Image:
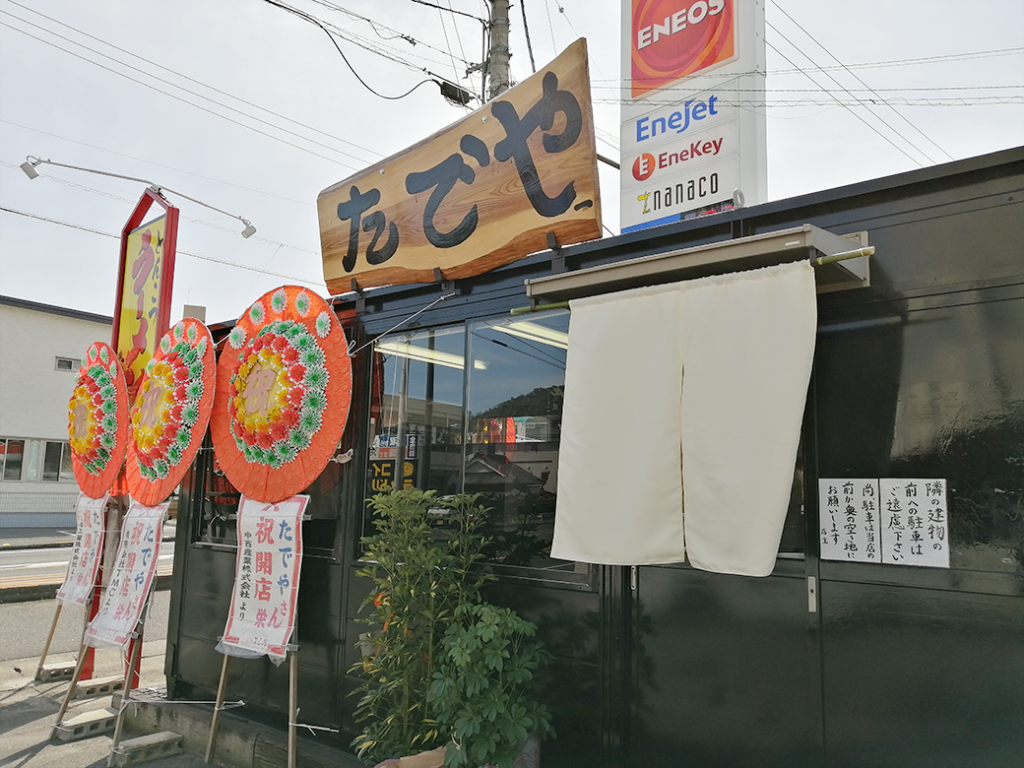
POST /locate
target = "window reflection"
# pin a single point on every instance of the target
(417, 403)
(515, 391)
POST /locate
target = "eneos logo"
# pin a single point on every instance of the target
(672, 39)
(644, 166)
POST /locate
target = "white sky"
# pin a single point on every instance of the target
(252, 110)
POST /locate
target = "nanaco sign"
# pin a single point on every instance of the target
(481, 193)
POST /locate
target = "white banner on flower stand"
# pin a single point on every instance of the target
(80, 579)
(116, 623)
(266, 591)
(131, 578)
(85, 555)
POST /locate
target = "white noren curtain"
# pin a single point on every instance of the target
(685, 396)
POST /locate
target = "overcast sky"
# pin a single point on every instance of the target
(252, 110)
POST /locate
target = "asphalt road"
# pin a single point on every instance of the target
(24, 627)
(31, 567)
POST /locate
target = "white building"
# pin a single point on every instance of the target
(41, 347)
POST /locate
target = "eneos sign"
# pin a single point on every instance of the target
(672, 39)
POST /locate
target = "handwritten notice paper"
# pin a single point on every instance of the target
(915, 522)
(266, 589)
(131, 578)
(848, 520)
(85, 555)
(891, 521)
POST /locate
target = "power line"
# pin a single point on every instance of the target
(843, 87)
(179, 252)
(374, 25)
(450, 10)
(152, 162)
(526, 30)
(314, 20)
(186, 77)
(191, 103)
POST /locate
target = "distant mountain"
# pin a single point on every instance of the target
(543, 401)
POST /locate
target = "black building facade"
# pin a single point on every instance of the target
(822, 663)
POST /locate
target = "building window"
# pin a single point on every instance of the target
(66, 364)
(12, 454)
(478, 409)
(57, 462)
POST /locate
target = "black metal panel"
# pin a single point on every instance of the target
(919, 375)
(721, 671)
(568, 623)
(920, 678)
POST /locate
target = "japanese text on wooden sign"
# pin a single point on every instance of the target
(266, 589)
(481, 193)
(131, 579)
(85, 555)
(892, 521)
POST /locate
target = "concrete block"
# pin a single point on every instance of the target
(50, 672)
(86, 725)
(99, 686)
(149, 747)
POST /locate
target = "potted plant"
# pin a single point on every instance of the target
(437, 656)
(481, 687)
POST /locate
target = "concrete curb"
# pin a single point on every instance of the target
(240, 742)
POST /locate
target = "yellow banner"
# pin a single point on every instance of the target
(140, 301)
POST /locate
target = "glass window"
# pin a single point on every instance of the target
(67, 469)
(417, 400)
(30, 467)
(11, 455)
(515, 390)
(65, 364)
(490, 426)
(52, 460)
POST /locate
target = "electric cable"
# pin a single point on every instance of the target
(836, 59)
(878, 117)
(193, 104)
(526, 30)
(314, 20)
(179, 252)
(186, 77)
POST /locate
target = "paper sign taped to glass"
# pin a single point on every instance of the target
(131, 578)
(85, 555)
(266, 590)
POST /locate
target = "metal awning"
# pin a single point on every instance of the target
(841, 261)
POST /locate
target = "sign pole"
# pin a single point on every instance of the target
(71, 690)
(49, 639)
(215, 725)
(293, 701)
(126, 689)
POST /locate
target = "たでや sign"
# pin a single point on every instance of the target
(483, 192)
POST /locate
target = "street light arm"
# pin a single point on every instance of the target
(31, 163)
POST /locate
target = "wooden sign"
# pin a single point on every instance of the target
(478, 194)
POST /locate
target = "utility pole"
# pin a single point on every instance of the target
(497, 57)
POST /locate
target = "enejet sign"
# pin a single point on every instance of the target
(483, 192)
(693, 133)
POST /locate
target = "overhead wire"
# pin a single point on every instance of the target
(526, 31)
(179, 252)
(842, 87)
(192, 103)
(374, 24)
(859, 80)
(189, 79)
(315, 21)
(150, 161)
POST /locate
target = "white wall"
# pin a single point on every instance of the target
(34, 405)
(33, 394)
